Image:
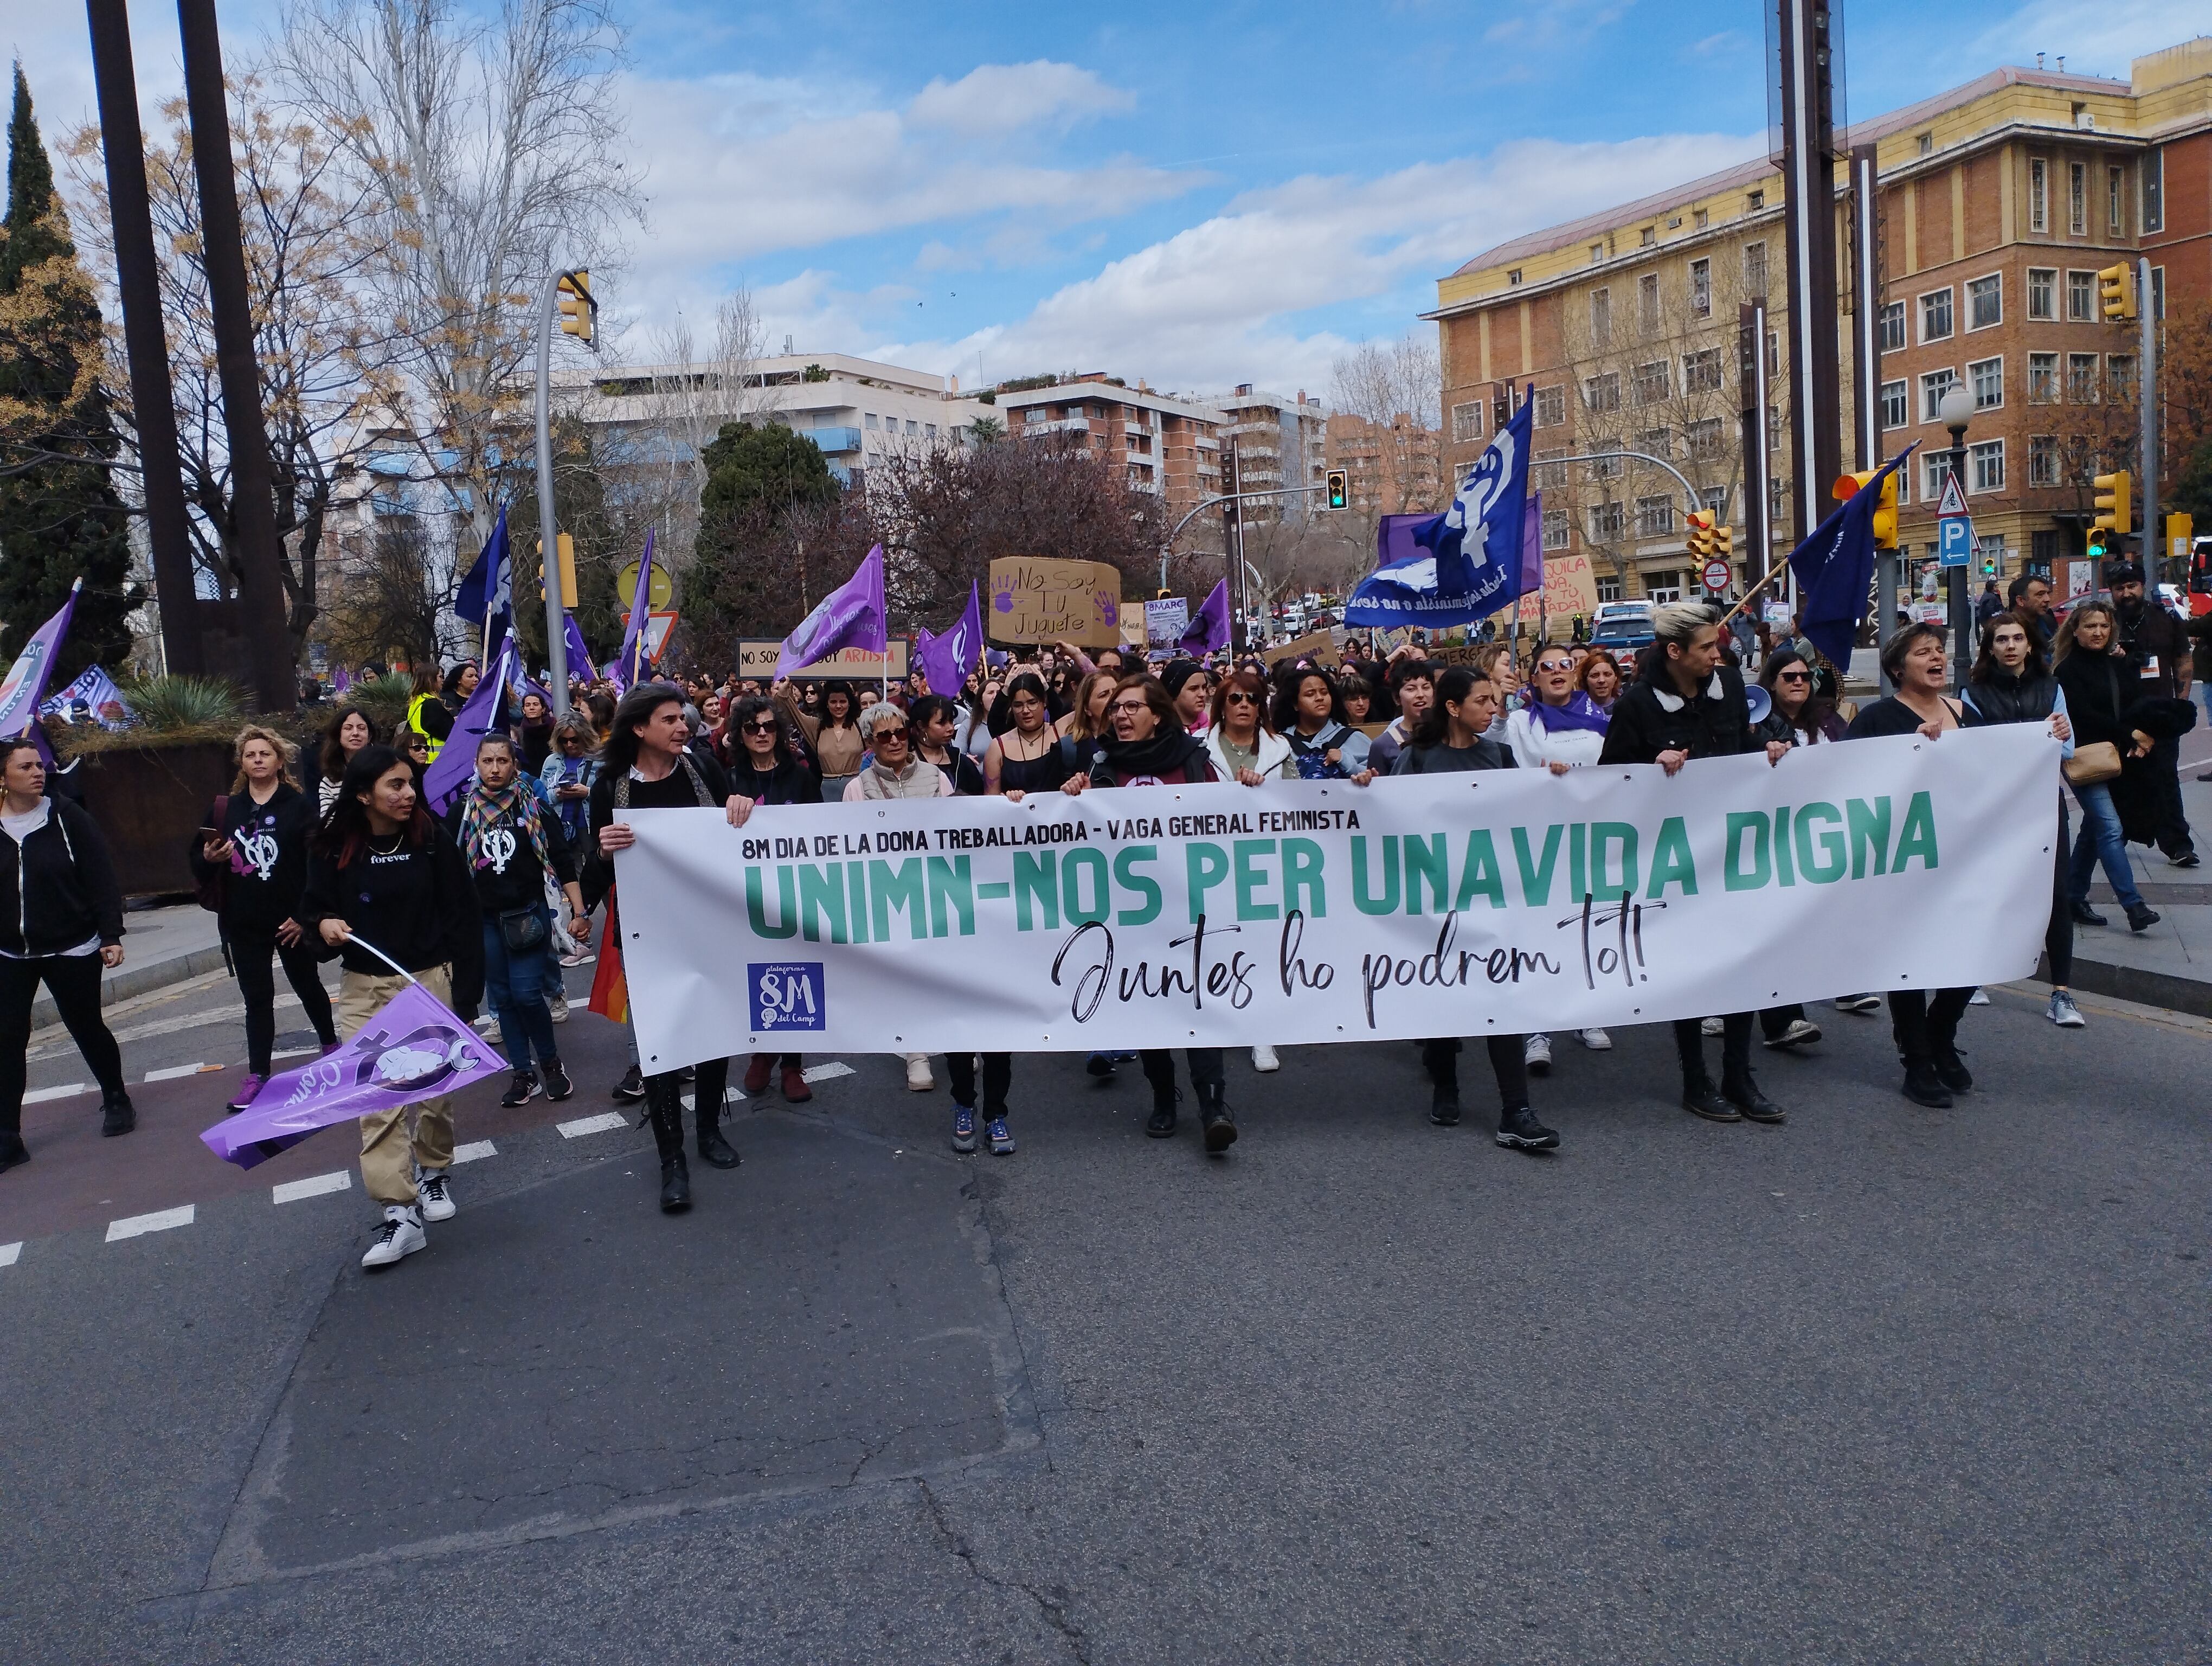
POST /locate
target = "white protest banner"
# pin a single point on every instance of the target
(1494, 903)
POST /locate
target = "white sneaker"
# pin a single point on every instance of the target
(1264, 1060)
(917, 1073)
(400, 1236)
(559, 1004)
(1980, 998)
(1536, 1053)
(2064, 1013)
(433, 1194)
(1798, 1032)
(1596, 1040)
(1713, 1027)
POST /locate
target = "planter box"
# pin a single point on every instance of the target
(148, 801)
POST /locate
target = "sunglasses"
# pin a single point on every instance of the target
(888, 734)
(1239, 697)
(766, 725)
(1793, 676)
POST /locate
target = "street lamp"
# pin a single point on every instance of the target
(1954, 412)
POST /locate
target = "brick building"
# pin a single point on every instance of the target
(1393, 467)
(1998, 202)
(1279, 441)
(1170, 446)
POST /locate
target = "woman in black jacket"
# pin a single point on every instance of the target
(254, 842)
(382, 868)
(61, 922)
(2094, 670)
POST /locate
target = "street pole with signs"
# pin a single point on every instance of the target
(1956, 532)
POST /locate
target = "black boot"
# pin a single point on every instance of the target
(117, 1115)
(12, 1151)
(1161, 1125)
(1214, 1117)
(1699, 1098)
(1751, 1103)
(1443, 1104)
(712, 1145)
(1924, 1086)
(666, 1116)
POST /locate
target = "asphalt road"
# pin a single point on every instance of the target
(1881, 1385)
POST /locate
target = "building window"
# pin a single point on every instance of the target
(1551, 406)
(2042, 293)
(2158, 292)
(1755, 266)
(1513, 276)
(1608, 590)
(1933, 387)
(2120, 378)
(1986, 378)
(1656, 442)
(2038, 194)
(1600, 317)
(1773, 429)
(1773, 353)
(1755, 202)
(1597, 253)
(1985, 466)
(1701, 371)
(929, 432)
(912, 427)
(2043, 551)
(1467, 421)
(2077, 198)
(1647, 237)
(1647, 303)
(1924, 144)
(2116, 219)
(2153, 191)
(1936, 316)
(1985, 302)
(1934, 470)
(1555, 529)
(1893, 327)
(2043, 460)
(2081, 379)
(1701, 289)
(1655, 516)
(2081, 297)
(1708, 440)
(1603, 393)
(1715, 498)
(1034, 414)
(2042, 379)
(1700, 220)
(1895, 407)
(1650, 383)
(1605, 523)
(870, 419)
(1664, 587)
(1606, 462)
(1545, 474)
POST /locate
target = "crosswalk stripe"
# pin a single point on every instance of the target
(177, 1070)
(827, 1072)
(10, 1254)
(161, 1220)
(292, 1191)
(476, 1151)
(605, 1122)
(67, 1090)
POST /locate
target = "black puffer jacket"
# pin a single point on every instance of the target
(58, 887)
(1710, 725)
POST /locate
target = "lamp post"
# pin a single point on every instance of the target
(1954, 412)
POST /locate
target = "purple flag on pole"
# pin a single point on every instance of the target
(947, 660)
(580, 656)
(449, 772)
(633, 647)
(25, 682)
(1208, 629)
(340, 681)
(415, 1048)
(851, 616)
(1393, 538)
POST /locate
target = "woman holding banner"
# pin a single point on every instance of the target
(1453, 736)
(1027, 756)
(382, 869)
(1242, 744)
(1151, 746)
(1311, 714)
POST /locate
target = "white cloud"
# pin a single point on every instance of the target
(2097, 36)
(1004, 98)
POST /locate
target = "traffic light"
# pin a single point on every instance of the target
(2117, 286)
(1340, 488)
(1885, 511)
(2115, 510)
(578, 310)
(1701, 532)
(567, 546)
(1723, 542)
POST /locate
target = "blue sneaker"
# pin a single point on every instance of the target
(1002, 1143)
(963, 1128)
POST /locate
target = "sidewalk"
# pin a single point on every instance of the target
(160, 946)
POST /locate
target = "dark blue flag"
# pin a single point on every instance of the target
(1468, 562)
(484, 598)
(1834, 569)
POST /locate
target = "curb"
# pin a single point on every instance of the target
(130, 981)
(2145, 988)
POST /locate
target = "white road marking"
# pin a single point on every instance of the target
(10, 1253)
(67, 1090)
(479, 1150)
(605, 1122)
(292, 1191)
(691, 1101)
(309, 1052)
(177, 1070)
(161, 1220)
(826, 1072)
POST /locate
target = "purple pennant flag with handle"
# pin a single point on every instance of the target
(1208, 629)
(415, 1047)
(640, 604)
(851, 616)
(449, 772)
(947, 660)
(579, 657)
(25, 682)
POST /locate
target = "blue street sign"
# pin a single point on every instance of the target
(1954, 541)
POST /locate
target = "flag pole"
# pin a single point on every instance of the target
(357, 940)
(1754, 590)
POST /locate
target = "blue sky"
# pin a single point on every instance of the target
(1201, 195)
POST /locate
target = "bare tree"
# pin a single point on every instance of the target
(494, 148)
(695, 390)
(393, 591)
(1387, 400)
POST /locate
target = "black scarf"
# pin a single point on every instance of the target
(1169, 750)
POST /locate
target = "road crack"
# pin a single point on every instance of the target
(1052, 1610)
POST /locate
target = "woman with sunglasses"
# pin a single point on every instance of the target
(1239, 740)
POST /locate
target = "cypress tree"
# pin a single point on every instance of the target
(60, 515)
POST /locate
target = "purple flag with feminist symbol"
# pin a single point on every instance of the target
(1208, 629)
(947, 660)
(851, 616)
(25, 682)
(449, 772)
(417, 1047)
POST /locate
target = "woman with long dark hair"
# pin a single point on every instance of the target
(1027, 756)
(2087, 659)
(1310, 714)
(380, 868)
(536, 732)
(349, 731)
(1239, 738)
(834, 735)
(253, 842)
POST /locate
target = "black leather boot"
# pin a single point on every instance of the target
(1161, 1124)
(117, 1114)
(713, 1146)
(665, 1113)
(1214, 1117)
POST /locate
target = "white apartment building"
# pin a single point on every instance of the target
(1280, 440)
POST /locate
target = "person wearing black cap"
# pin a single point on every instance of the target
(1191, 688)
(2157, 647)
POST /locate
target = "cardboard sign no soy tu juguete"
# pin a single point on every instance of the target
(1036, 598)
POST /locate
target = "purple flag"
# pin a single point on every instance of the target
(26, 682)
(633, 648)
(1208, 629)
(340, 681)
(947, 660)
(1393, 538)
(580, 656)
(1532, 545)
(851, 616)
(449, 772)
(413, 1049)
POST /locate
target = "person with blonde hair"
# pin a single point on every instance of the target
(250, 856)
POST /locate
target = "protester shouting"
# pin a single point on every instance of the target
(1414, 684)
(1151, 746)
(381, 869)
(1452, 736)
(518, 854)
(1686, 704)
(649, 768)
(253, 844)
(61, 923)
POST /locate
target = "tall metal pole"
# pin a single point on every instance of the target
(1809, 190)
(1751, 377)
(1866, 367)
(1961, 614)
(549, 531)
(145, 341)
(252, 484)
(2154, 535)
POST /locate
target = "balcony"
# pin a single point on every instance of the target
(830, 441)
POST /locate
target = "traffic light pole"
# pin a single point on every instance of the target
(2147, 396)
(548, 545)
(1167, 548)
